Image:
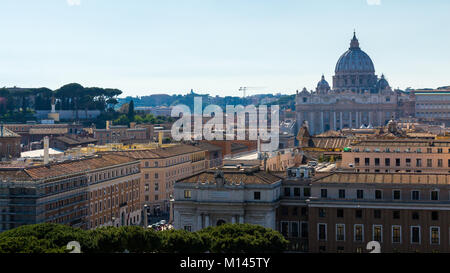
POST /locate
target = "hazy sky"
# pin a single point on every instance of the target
(216, 46)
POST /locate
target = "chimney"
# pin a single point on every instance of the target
(108, 123)
(160, 138)
(46, 156)
(132, 125)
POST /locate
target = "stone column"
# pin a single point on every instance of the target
(342, 121)
(233, 219)
(206, 220)
(334, 120)
(322, 125)
(350, 119)
(199, 222)
(311, 123)
(241, 219)
(357, 120)
(370, 119)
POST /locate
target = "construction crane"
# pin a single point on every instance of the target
(244, 89)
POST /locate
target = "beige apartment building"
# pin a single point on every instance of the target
(89, 192)
(160, 168)
(398, 155)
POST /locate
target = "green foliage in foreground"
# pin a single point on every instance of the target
(53, 238)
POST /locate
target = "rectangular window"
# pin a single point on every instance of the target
(323, 193)
(387, 162)
(434, 195)
(188, 228)
(418, 162)
(378, 194)
(359, 233)
(434, 215)
(294, 229)
(306, 192)
(367, 161)
(287, 192)
(342, 194)
(396, 194)
(440, 164)
(340, 232)
(377, 162)
(187, 194)
(257, 195)
(322, 232)
(397, 162)
(340, 213)
(296, 191)
(358, 213)
(435, 235)
(415, 195)
(396, 234)
(360, 194)
(378, 233)
(415, 235)
(429, 163)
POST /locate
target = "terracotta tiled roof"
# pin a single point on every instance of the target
(64, 168)
(234, 176)
(48, 131)
(387, 178)
(76, 140)
(208, 147)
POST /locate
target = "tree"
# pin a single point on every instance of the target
(244, 238)
(181, 241)
(131, 111)
(53, 238)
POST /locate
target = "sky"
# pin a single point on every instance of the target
(146, 47)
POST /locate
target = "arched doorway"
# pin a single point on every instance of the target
(220, 222)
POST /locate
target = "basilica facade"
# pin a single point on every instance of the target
(359, 98)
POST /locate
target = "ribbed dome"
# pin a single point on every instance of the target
(355, 60)
(323, 83)
(382, 83)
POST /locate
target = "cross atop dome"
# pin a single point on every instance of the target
(354, 43)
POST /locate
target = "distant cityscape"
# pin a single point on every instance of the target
(357, 161)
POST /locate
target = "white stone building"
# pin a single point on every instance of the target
(227, 195)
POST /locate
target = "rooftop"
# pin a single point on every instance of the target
(387, 178)
(41, 172)
(5, 132)
(234, 175)
(160, 152)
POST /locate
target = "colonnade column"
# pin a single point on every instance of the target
(322, 125)
(334, 120)
(199, 222)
